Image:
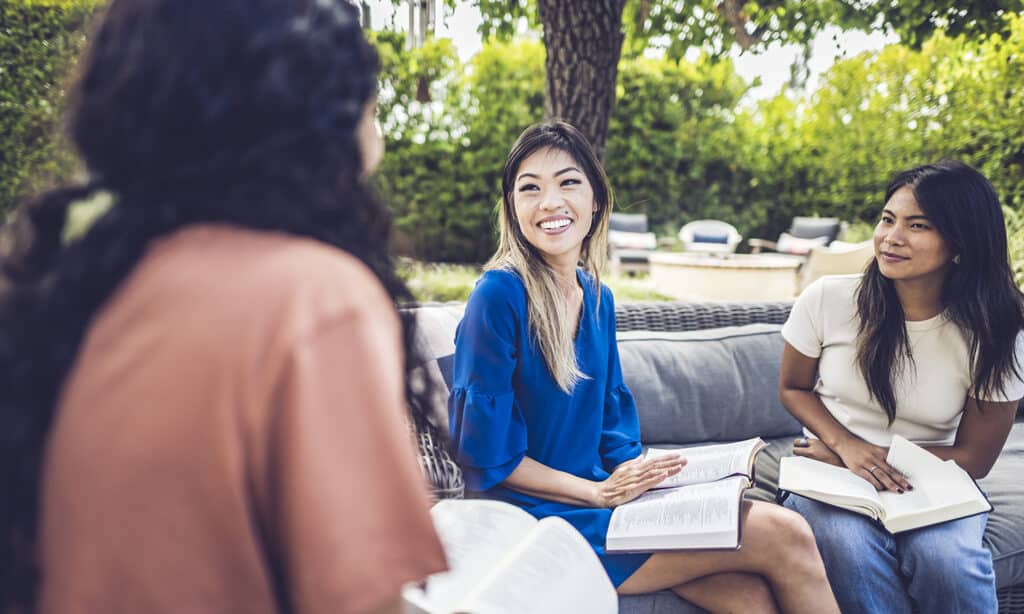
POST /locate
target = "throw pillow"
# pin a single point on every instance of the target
(789, 244)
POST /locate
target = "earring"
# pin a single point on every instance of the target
(956, 259)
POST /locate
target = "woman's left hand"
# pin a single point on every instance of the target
(817, 450)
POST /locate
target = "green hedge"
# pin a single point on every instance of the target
(38, 41)
(683, 144)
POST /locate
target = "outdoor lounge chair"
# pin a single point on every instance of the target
(711, 236)
(629, 242)
(803, 234)
(839, 258)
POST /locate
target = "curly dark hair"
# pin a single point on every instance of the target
(186, 111)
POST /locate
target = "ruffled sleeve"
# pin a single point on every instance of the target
(487, 427)
(620, 432)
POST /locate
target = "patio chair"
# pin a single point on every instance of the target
(629, 242)
(839, 258)
(803, 234)
(710, 236)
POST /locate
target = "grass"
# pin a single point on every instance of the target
(453, 282)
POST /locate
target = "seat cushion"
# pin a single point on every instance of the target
(706, 385)
(1005, 487)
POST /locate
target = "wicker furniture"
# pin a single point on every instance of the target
(434, 345)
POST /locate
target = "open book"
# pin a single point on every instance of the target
(698, 508)
(942, 490)
(502, 560)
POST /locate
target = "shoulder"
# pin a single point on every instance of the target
(499, 286)
(270, 276)
(835, 287)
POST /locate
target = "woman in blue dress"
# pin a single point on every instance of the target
(541, 418)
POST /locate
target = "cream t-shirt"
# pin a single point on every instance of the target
(931, 392)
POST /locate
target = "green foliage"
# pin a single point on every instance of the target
(717, 25)
(1015, 242)
(882, 112)
(670, 140)
(38, 41)
(442, 173)
(673, 129)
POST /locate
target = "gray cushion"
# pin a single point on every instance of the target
(628, 222)
(811, 227)
(707, 385)
(433, 347)
(662, 602)
(1004, 535)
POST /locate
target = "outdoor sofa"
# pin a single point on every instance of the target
(708, 372)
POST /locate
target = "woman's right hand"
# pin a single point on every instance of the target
(635, 477)
(868, 461)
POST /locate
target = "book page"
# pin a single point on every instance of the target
(709, 463)
(937, 484)
(699, 508)
(554, 570)
(830, 484)
(476, 534)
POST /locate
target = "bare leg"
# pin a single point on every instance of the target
(728, 592)
(777, 545)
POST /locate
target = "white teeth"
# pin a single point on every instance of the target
(553, 224)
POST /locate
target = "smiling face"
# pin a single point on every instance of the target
(554, 206)
(907, 246)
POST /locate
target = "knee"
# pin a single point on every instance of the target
(940, 559)
(790, 532)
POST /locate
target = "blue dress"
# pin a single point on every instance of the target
(504, 405)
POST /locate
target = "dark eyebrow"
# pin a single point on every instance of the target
(909, 217)
(561, 172)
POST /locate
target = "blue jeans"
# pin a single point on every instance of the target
(936, 569)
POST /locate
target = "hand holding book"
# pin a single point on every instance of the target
(697, 507)
(635, 477)
(871, 463)
(943, 491)
(864, 461)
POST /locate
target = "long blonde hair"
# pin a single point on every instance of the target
(551, 323)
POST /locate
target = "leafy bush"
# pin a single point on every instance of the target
(38, 41)
(1015, 242)
(442, 174)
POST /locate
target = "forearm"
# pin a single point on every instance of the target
(807, 408)
(537, 479)
(980, 437)
(976, 463)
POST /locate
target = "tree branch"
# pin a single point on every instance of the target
(732, 12)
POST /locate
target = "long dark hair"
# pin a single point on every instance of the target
(186, 111)
(979, 294)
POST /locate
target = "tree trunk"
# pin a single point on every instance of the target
(583, 40)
